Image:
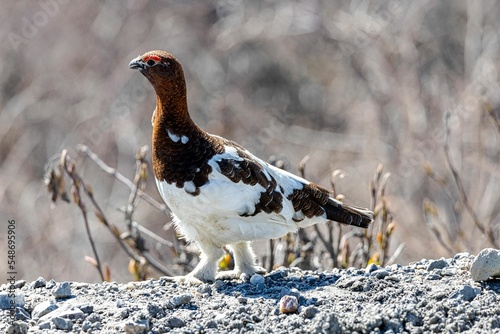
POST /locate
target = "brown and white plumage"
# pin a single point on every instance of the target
(219, 193)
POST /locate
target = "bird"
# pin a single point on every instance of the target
(222, 196)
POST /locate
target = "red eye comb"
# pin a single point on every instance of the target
(152, 57)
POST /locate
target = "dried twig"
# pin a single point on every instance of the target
(112, 171)
(491, 112)
(69, 167)
(70, 170)
(431, 215)
(461, 190)
(396, 254)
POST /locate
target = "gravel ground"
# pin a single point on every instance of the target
(426, 296)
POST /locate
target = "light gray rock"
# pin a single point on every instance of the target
(437, 264)
(466, 293)
(19, 284)
(371, 268)
(486, 265)
(39, 283)
(62, 323)
(256, 279)
(182, 299)
(66, 311)
(45, 325)
(137, 327)
(175, 322)
(43, 308)
(21, 314)
(380, 273)
(62, 290)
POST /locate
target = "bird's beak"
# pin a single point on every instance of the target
(137, 64)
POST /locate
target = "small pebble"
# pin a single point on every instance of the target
(309, 312)
(44, 325)
(39, 283)
(139, 327)
(437, 264)
(182, 299)
(21, 314)
(87, 308)
(371, 268)
(380, 273)
(62, 290)
(62, 323)
(257, 279)
(50, 284)
(466, 293)
(86, 325)
(175, 322)
(278, 273)
(19, 284)
(288, 304)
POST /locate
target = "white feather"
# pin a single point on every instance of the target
(175, 138)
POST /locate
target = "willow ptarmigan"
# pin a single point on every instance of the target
(220, 194)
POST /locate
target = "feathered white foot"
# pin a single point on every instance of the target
(244, 263)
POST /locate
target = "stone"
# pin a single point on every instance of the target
(277, 274)
(86, 325)
(175, 322)
(66, 311)
(44, 325)
(437, 264)
(486, 265)
(289, 304)
(182, 299)
(257, 279)
(22, 314)
(62, 323)
(39, 283)
(86, 308)
(43, 308)
(139, 327)
(62, 290)
(466, 293)
(19, 284)
(380, 273)
(309, 312)
(371, 268)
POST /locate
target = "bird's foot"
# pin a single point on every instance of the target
(244, 274)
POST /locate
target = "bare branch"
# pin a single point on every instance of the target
(461, 190)
(111, 171)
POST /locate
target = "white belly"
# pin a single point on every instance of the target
(214, 213)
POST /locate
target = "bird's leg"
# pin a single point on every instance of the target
(206, 268)
(244, 262)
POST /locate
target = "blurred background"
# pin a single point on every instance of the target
(351, 84)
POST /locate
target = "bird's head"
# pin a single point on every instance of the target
(159, 67)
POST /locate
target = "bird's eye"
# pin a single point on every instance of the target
(151, 62)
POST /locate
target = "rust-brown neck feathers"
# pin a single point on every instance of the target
(181, 149)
